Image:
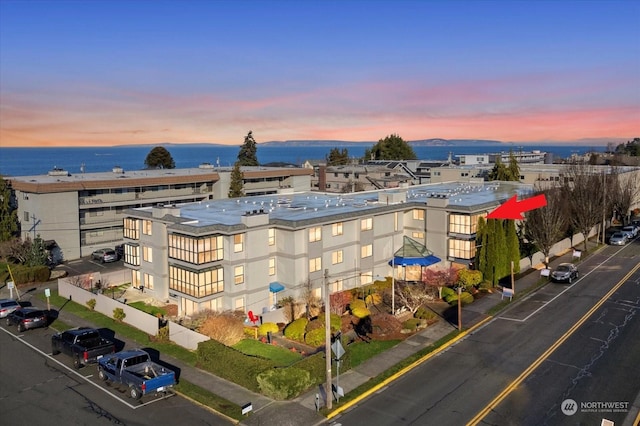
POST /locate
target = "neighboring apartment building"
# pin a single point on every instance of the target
(522, 157)
(361, 177)
(239, 253)
(85, 211)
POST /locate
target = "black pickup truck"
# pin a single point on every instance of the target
(83, 344)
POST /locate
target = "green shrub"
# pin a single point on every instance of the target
(91, 303)
(296, 329)
(411, 324)
(485, 285)
(267, 327)
(360, 312)
(466, 298)
(315, 337)
(231, 364)
(469, 278)
(284, 383)
(335, 322)
(119, 315)
(28, 274)
(163, 334)
(425, 314)
(451, 299)
(447, 291)
(373, 299)
(357, 303)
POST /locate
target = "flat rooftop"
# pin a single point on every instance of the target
(306, 206)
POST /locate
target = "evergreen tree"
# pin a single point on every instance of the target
(499, 171)
(390, 148)
(248, 151)
(513, 245)
(513, 171)
(338, 157)
(37, 254)
(481, 246)
(9, 224)
(502, 262)
(159, 158)
(236, 185)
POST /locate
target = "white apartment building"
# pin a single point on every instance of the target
(244, 253)
(85, 211)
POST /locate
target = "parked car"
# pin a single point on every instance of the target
(7, 306)
(85, 345)
(618, 239)
(27, 318)
(631, 231)
(565, 272)
(134, 369)
(105, 255)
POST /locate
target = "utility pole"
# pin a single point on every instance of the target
(459, 308)
(327, 340)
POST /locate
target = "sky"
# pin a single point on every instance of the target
(85, 73)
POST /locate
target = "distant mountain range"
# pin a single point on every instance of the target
(421, 142)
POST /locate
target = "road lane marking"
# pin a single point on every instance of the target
(502, 395)
(563, 291)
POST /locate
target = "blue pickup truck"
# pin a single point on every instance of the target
(134, 369)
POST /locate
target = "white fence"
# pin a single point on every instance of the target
(141, 320)
(559, 248)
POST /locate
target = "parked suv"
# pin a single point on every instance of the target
(105, 255)
(631, 231)
(565, 272)
(27, 318)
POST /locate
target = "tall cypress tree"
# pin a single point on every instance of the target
(513, 245)
(501, 262)
(248, 151)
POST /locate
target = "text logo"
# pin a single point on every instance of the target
(569, 407)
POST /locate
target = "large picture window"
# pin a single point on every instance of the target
(131, 229)
(238, 243)
(336, 229)
(315, 234)
(196, 284)
(366, 224)
(463, 224)
(462, 249)
(315, 264)
(196, 250)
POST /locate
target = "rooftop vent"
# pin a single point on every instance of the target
(205, 166)
(58, 172)
(117, 169)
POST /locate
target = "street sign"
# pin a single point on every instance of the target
(337, 349)
(10, 285)
(507, 292)
(47, 292)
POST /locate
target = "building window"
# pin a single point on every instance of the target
(336, 257)
(147, 226)
(238, 304)
(315, 264)
(462, 249)
(147, 281)
(196, 283)
(135, 279)
(336, 229)
(366, 251)
(463, 224)
(366, 224)
(336, 286)
(417, 235)
(366, 278)
(132, 255)
(418, 214)
(238, 275)
(238, 243)
(272, 236)
(196, 250)
(147, 254)
(315, 234)
(131, 228)
(26, 217)
(317, 293)
(272, 266)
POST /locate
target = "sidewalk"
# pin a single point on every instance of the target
(302, 410)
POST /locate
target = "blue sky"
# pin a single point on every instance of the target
(109, 73)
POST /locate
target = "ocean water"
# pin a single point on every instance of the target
(38, 161)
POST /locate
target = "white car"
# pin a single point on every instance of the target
(7, 306)
(631, 231)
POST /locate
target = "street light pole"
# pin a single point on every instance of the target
(327, 340)
(459, 309)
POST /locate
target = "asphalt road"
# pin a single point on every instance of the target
(452, 388)
(39, 389)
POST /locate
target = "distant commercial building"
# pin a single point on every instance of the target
(85, 211)
(243, 254)
(522, 157)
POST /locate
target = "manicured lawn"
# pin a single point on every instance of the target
(149, 309)
(278, 354)
(362, 351)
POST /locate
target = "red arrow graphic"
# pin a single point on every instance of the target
(513, 208)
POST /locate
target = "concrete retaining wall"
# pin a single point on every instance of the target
(185, 337)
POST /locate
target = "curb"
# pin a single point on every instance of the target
(408, 368)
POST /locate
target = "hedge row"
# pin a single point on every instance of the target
(231, 364)
(29, 274)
